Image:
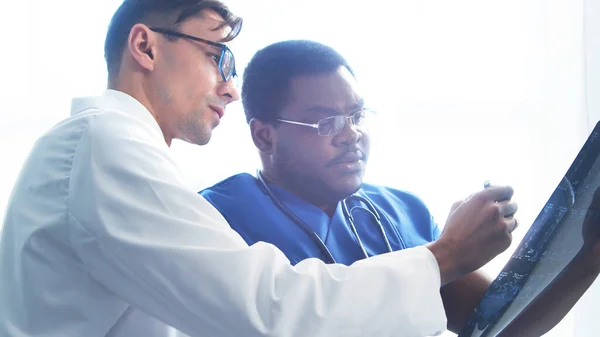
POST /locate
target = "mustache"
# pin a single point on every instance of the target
(352, 155)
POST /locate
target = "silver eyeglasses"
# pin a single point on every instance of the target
(335, 124)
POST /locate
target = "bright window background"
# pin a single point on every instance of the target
(466, 91)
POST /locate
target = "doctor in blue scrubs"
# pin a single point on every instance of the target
(310, 124)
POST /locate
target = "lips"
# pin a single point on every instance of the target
(219, 110)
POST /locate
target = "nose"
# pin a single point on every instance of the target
(350, 135)
(229, 90)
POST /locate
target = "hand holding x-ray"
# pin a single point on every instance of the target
(477, 230)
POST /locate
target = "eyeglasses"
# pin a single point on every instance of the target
(226, 60)
(335, 124)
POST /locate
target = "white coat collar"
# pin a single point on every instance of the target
(119, 101)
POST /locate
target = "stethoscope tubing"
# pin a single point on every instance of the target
(347, 214)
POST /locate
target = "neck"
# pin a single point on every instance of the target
(329, 209)
(132, 86)
(316, 198)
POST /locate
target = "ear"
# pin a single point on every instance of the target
(142, 46)
(263, 136)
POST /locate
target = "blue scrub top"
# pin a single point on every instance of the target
(247, 207)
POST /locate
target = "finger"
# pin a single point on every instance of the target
(497, 193)
(513, 225)
(456, 205)
(470, 196)
(508, 208)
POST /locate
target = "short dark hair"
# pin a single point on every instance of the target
(265, 87)
(167, 13)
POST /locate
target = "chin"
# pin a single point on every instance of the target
(346, 189)
(199, 138)
(347, 183)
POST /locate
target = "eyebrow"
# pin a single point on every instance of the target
(208, 48)
(319, 109)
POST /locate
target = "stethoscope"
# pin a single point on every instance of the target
(370, 209)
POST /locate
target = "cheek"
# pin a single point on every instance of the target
(197, 95)
(200, 84)
(193, 79)
(295, 151)
(315, 152)
(366, 143)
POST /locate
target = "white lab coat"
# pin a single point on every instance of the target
(102, 237)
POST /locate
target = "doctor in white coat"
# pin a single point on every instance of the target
(102, 236)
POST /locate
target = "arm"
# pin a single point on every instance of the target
(554, 304)
(462, 296)
(161, 247)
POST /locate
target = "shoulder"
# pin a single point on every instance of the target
(406, 211)
(244, 205)
(236, 183)
(92, 133)
(114, 126)
(382, 195)
(116, 137)
(115, 146)
(239, 187)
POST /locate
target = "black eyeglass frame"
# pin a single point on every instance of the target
(224, 49)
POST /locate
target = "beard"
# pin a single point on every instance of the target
(305, 182)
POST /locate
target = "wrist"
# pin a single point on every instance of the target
(445, 259)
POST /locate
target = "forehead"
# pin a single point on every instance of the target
(336, 89)
(204, 25)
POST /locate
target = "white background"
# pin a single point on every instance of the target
(466, 91)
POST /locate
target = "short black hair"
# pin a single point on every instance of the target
(168, 13)
(265, 87)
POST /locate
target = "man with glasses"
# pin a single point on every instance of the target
(309, 123)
